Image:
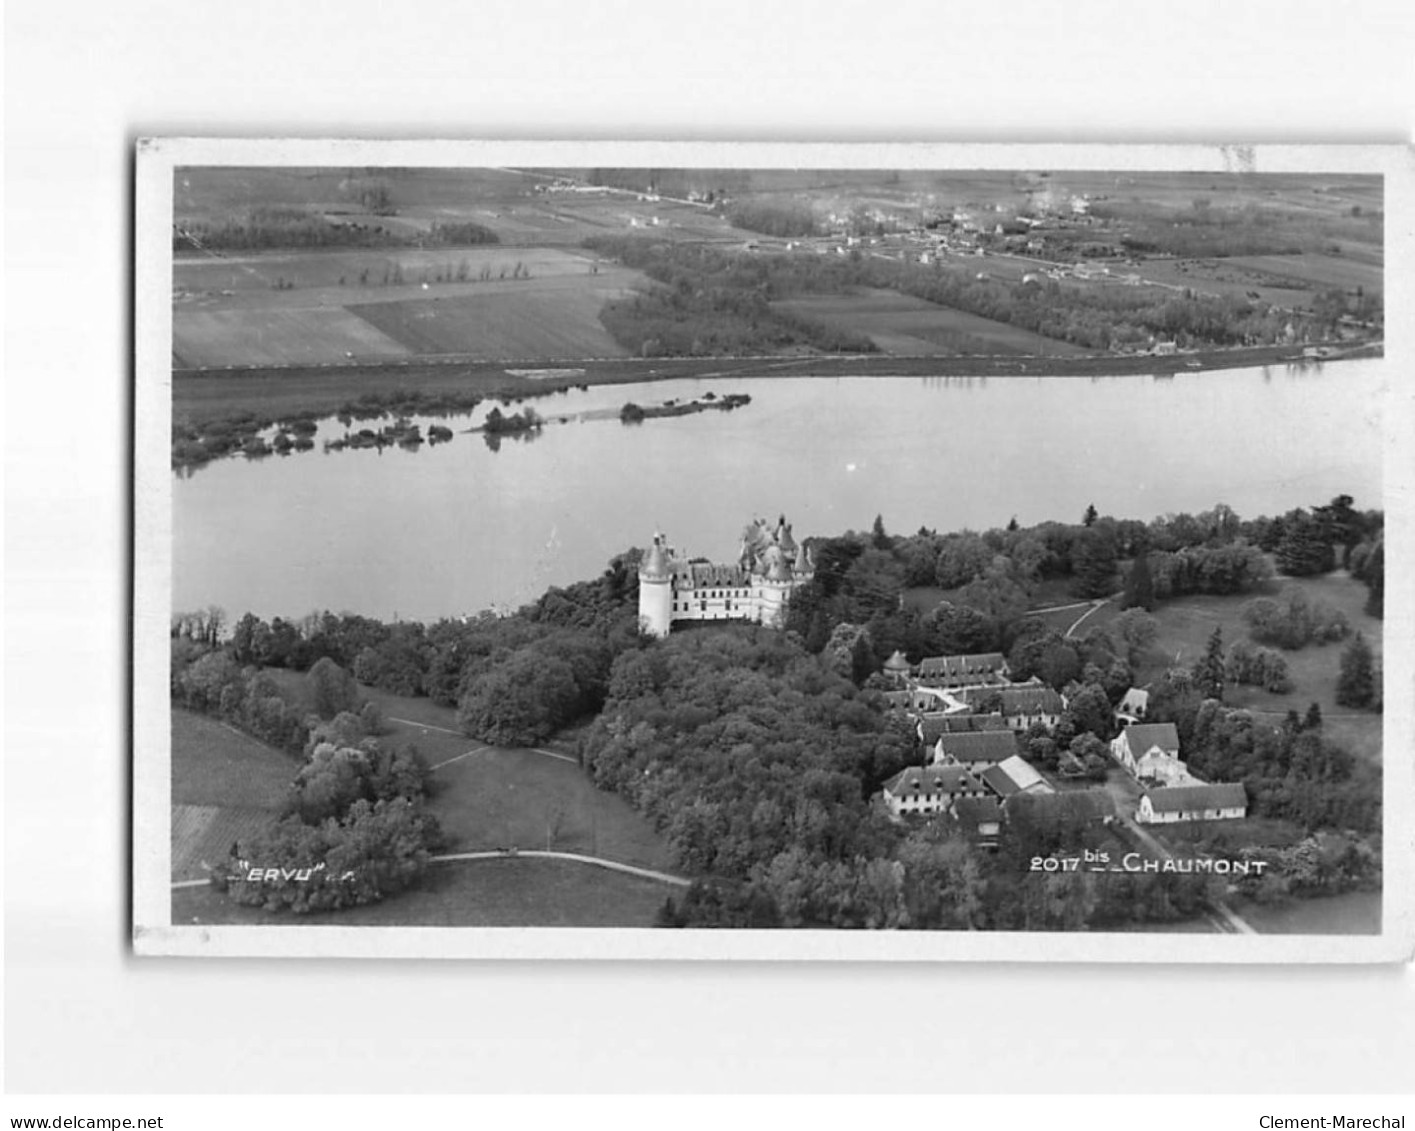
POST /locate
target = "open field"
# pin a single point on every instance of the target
(1186, 624)
(485, 798)
(202, 836)
(534, 324)
(514, 892)
(225, 787)
(214, 764)
(277, 337)
(335, 306)
(899, 324)
(497, 798)
(251, 278)
(1314, 271)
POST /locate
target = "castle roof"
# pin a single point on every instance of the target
(701, 575)
(896, 662)
(655, 565)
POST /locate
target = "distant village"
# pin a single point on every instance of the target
(967, 715)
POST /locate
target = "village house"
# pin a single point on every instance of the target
(929, 789)
(1140, 739)
(976, 750)
(1193, 803)
(933, 725)
(987, 669)
(1020, 707)
(1156, 765)
(1013, 776)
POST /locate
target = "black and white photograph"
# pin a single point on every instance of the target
(623, 551)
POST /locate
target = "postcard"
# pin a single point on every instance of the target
(680, 550)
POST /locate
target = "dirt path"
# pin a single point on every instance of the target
(1094, 606)
(594, 861)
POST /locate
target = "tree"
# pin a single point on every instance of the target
(1089, 518)
(331, 689)
(1139, 585)
(1313, 719)
(878, 538)
(1305, 548)
(1137, 630)
(1093, 559)
(1209, 671)
(1356, 685)
(521, 701)
(1090, 710)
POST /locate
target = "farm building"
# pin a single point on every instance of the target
(1193, 803)
(1162, 766)
(987, 669)
(931, 726)
(929, 789)
(1139, 739)
(975, 751)
(1020, 707)
(1013, 776)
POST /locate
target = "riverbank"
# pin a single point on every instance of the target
(202, 395)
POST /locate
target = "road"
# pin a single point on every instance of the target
(1224, 917)
(576, 857)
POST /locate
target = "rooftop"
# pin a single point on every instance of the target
(1190, 798)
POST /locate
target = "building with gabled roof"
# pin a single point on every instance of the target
(1013, 776)
(980, 670)
(1020, 706)
(1139, 739)
(929, 789)
(977, 750)
(1222, 802)
(933, 724)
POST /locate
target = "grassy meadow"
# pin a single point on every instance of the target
(227, 786)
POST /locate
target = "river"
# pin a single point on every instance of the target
(457, 527)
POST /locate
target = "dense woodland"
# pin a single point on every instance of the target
(710, 294)
(756, 752)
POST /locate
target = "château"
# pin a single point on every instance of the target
(755, 588)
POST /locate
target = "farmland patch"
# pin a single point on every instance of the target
(277, 337)
(533, 322)
(901, 324)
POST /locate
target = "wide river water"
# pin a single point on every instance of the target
(454, 528)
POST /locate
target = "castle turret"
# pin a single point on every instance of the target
(803, 567)
(656, 589)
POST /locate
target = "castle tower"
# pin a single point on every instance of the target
(656, 589)
(776, 586)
